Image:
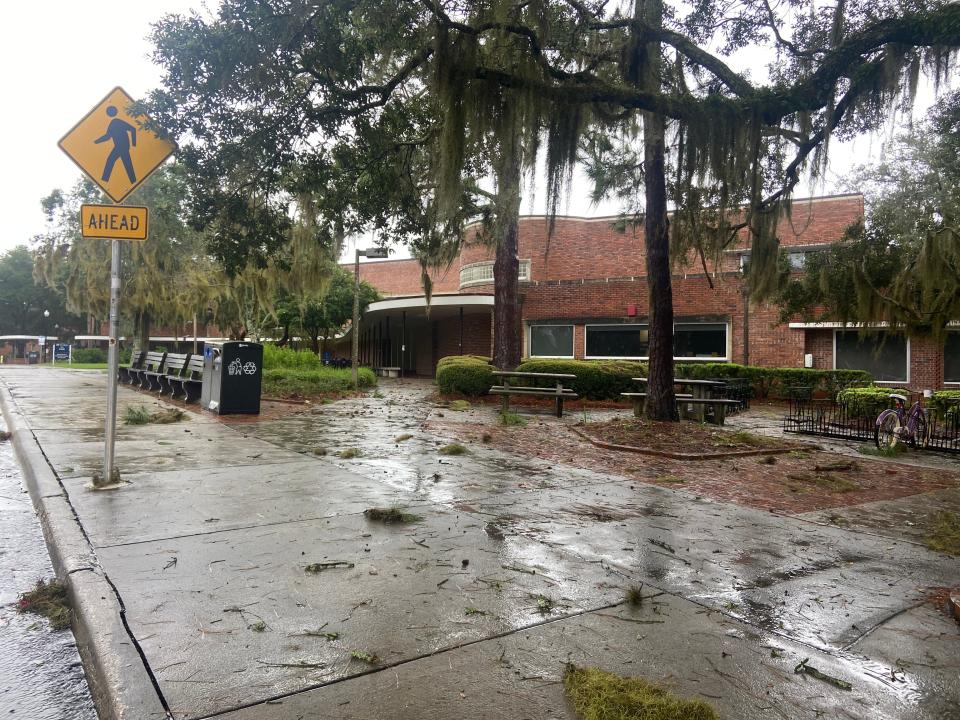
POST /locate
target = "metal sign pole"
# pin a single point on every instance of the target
(113, 356)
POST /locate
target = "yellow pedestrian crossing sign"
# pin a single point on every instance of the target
(112, 148)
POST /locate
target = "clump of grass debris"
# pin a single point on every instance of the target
(452, 449)
(139, 415)
(319, 451)
(364, 656)
(474, 611)
(797, 482)
(511, 419)
(487, 438)
(634, 595)
(768, 460)
(258, 626)
(459, 405)
(890, 451)
(945, 534)
(600, 695)
(402, 437)
(4, 435)
(50, 600)
(545, 605)
(674, 479)
(349, 453)
(391, 515)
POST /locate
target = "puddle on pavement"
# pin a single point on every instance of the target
(41, 671)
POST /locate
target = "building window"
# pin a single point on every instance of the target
(617, 341)
(551, 341)
(481, 273)
(706, 340)
(951, 358)
(884, 356)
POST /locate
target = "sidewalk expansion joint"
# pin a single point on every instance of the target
(407, 661)
(881, 623)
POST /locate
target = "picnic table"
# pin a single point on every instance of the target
(695, 403)
(558, 392)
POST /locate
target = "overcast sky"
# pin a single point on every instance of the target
(60, 57)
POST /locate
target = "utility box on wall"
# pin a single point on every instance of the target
(808, 360)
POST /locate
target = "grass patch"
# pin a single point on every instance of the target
(945, 534)
(459, 405)
(600, 695)
(742, 437)
(797, 482)
(402, 437)
(886, 452)
(390, 516)
(286, 382)
(139, 415)
(50, 600)
(364, 656)
(349, 453)
(452, 449)
(511, 419)
(77, 366)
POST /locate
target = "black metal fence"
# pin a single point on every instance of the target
(735, 389)
(827, 418)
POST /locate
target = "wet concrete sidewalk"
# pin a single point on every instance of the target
(516, 567)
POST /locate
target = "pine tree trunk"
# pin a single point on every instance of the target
(143, 331)
(506, 286)
(661, 401)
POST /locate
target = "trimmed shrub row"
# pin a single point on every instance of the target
(291, 382)
(596, 379)
(467, 374)
(867, 401)
(606, 379)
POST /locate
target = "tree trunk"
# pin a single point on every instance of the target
(661, 401)
(143, 330)
(282, 342)
(315, 343)
(506, 286)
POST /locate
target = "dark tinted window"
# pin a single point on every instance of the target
(883, 356)
(551, 341)
(617, 341)
(951, 358)
(700, 341)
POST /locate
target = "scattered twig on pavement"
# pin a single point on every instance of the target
(804, 668)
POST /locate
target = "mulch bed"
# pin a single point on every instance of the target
(791, 484)
(682, 440)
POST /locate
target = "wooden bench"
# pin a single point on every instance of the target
(152, 363)
(558, 392)
(136, 363)
(638, 398)
(173, 367)
(189, 382)
(151, 373)
(711, 410)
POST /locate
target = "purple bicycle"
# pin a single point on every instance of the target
(901, 425)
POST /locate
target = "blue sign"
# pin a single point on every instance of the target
(61, 351)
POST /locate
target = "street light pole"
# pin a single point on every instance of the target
(378, 253)
(355, 327)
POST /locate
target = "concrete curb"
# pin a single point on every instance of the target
(121, 686)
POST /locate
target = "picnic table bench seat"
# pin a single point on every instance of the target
(558, 392)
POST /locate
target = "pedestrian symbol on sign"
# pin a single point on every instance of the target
(124, 136)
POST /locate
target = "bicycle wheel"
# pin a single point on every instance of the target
(885, 434)
(919, 439)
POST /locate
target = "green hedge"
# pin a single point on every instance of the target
(596, 379)
(284, 357)
(774, 382)
(867, 401)
(466, 374)
(89, 355)
(290, 382)
(606, 379)
(940, 406)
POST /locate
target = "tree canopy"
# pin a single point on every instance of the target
(902, 266)
(23, 301)
(282, 98)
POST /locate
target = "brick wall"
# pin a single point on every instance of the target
(402, 277)
(819, 343)
(477, 338)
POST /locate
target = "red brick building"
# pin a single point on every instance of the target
(584, 295)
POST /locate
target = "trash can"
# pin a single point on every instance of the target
(33, 357)
(232, 375)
